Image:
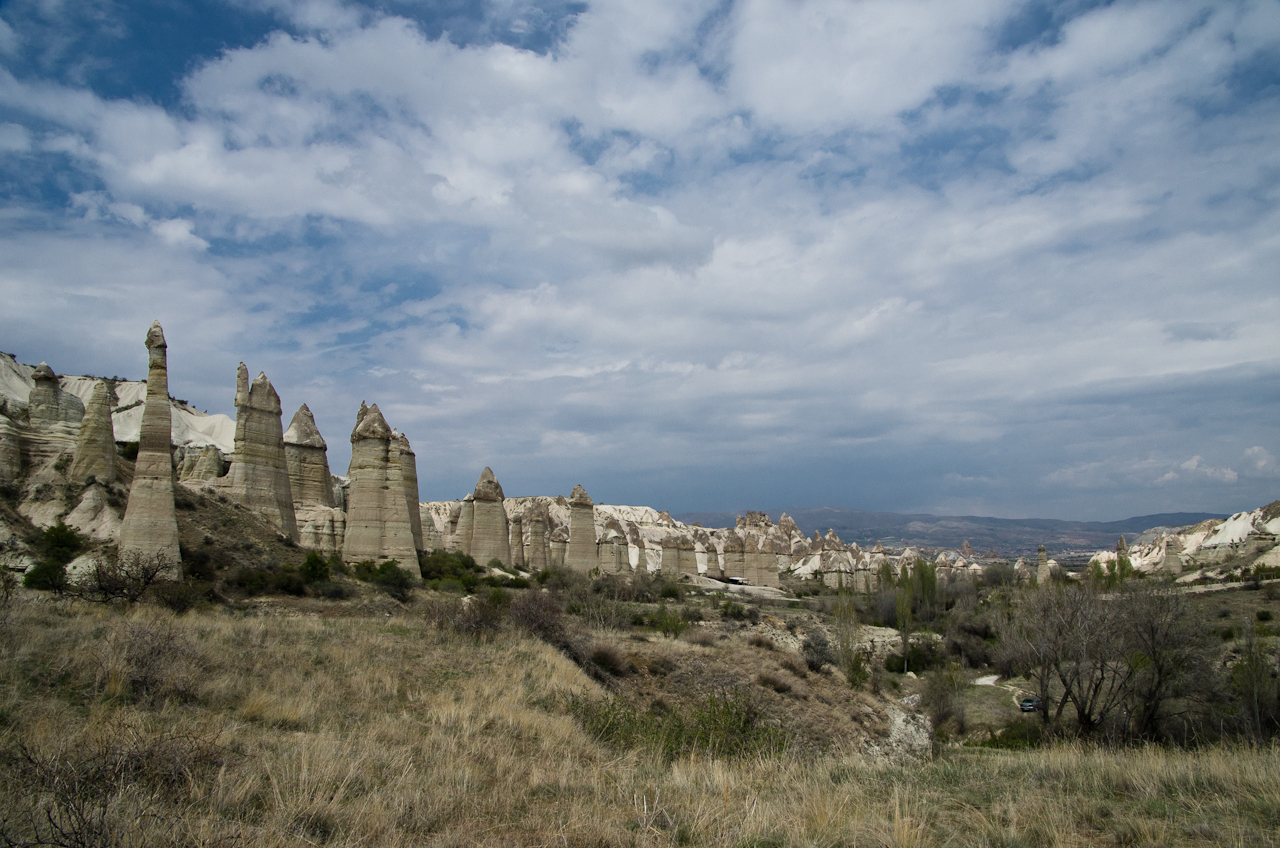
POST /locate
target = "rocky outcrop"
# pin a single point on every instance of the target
(48, 404)
(259, 475)
(535, 517)
(96, 444)
(1043, 572)
(516, 524)
(466, 519)
(377, 524)
(409, 473)
(307, 461)
(490, 537)
(208, 465)
(10, 452)
(150, 526)
(581, 552)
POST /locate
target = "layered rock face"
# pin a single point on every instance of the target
(48, 404)
(581, 552)
(517, 541)
(536, 518)
(96, 445)
(466, 517)
(307, 461)
(259, 475)
(150, 526)
(10, 451)
(377, 525)
(490, 536)
(321, 523)
(409, 473)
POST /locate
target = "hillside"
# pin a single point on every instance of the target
(1008, 536)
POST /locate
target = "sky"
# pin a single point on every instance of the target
(991, 257)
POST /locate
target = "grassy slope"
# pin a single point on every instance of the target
(362, 728)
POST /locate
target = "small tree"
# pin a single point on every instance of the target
(124, 577)
(315, 569)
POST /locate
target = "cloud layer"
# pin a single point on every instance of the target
(986, 257)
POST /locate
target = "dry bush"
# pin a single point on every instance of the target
(538, 613)
(148, 660)
(700, 636)
(776, 682)
(794, 664)
(759, 640)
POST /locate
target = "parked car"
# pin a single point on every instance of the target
(1030, 705)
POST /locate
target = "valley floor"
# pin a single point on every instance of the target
(367, 724)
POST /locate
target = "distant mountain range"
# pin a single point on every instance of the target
(1007, 536)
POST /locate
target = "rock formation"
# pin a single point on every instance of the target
(1043, 574)
(378, 526)
(307, 460)
(48, 404)
(466, 519)
(96, 444)
(259, 475)
(409, 473)
(10, 451)
(581, 553)
(150, 526)
(517, 541)
(490, 537)
(536, 517)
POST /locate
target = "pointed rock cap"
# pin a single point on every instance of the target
(579, 497)
(155, 335)
(1122, 546)
(664, 517)
(370, 425)
(303, 431)
(242, 386)
(44, 373)
(262, 395)
(487, 487)
(403, 441)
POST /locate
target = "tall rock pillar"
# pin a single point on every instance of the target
(1043, 574)
(409, 473)
(96, 445)
(377, 516)
(150, 527)
(490, 536)
(536, 517)
(259, 475)
(581, 553)
(307, 460)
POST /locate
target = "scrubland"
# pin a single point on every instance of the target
(376, 724)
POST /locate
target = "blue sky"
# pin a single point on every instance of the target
(984, 257)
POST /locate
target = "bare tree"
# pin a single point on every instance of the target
(1167, 650)
(123, 577)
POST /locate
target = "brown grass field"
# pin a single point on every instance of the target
(367, 725)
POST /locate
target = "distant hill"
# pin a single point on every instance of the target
(1008, 536)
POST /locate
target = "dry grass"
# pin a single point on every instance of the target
(386, 731)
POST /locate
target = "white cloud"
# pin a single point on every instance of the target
(788, 259)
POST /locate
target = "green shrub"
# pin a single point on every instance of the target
(288, 581)
(315, 569)
(440, 564)
(667, 622)
(61, 543)
(1263, 615)
(816, 650)
(919, 658)
(251, 581)
(388, 576)
(197, 565)
(48, 575)
(671, 591)
(330, 590)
